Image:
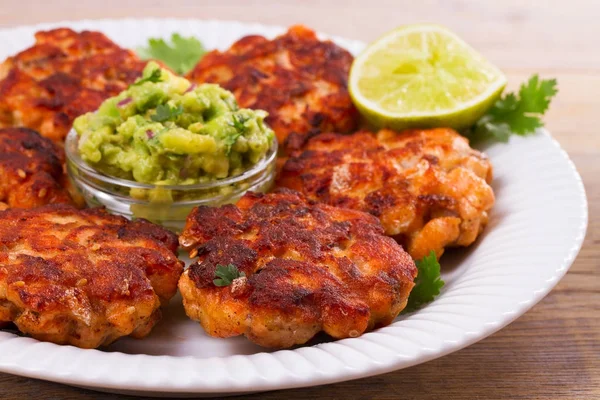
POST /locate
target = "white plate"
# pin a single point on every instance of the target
(536, 229)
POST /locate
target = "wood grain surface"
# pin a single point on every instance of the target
(553, 351)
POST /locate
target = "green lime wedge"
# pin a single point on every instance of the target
(423, 76)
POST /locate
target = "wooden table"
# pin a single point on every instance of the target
(551, 352)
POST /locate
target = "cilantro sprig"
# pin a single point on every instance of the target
(239, 123)
(165, 112)
(226, 274)
(427, 284)
(518, 113)
(180, 54)
(154, 77)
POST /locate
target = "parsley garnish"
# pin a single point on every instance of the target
(427, 284)
(154, 77)
(165, 112)
(226, 274)
(180, 54)
(516, 113)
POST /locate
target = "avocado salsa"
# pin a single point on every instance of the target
(164, 130)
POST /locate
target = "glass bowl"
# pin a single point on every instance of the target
(167, 205)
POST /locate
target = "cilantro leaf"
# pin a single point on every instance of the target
(240, 128)
(165, 112)
(229, 141)
(155, 76)
(427, 284)
(535, 95)
(180, 54)
(516, 113)
(226, 274)
(238, 123)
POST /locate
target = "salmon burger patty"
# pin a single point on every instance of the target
(429, 189)
(84, 277)
(299, 80)
(302, 267)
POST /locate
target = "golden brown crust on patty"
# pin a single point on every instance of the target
(84, 277)
(31, 172)
(63, 75)
(429, 189)
(300, 80)
(309, 267)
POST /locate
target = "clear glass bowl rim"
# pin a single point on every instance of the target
(72, 154)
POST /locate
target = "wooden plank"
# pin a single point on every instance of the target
(512, 33)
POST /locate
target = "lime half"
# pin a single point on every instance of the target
(423, 76)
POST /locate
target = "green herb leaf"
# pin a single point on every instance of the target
(427, 284)
(165, 112)
(238, 123)
(155, 76)
(516, 113)
(225, 274)
(180, 54)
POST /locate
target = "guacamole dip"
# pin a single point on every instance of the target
(164, 130)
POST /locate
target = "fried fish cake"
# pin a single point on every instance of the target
(429, 189)
(31, 172)
(300, 80)
(84, 277)
(308, 267)
(63, 75)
